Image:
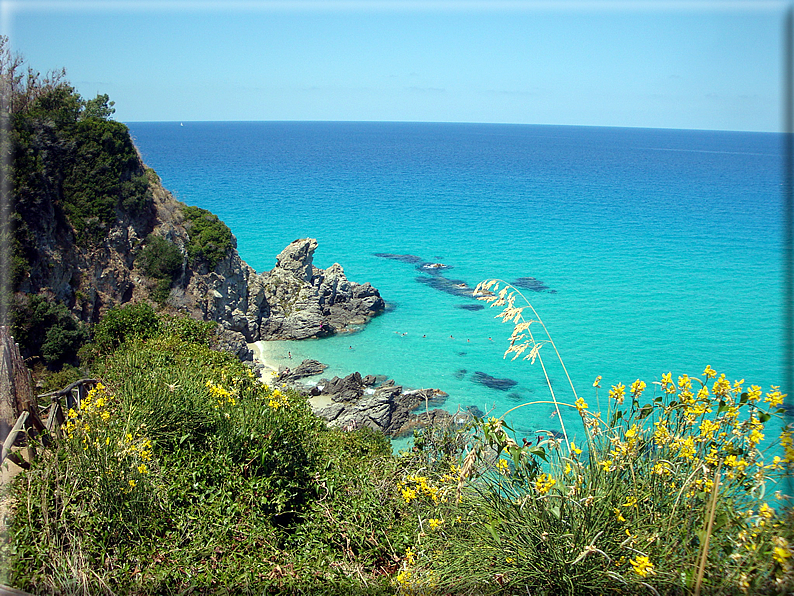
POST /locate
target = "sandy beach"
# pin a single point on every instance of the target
(269, 360)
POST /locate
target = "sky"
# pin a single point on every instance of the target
(692, 64)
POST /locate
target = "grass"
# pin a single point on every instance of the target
(183, 474)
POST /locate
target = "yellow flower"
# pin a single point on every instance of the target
(581, 405)
(503, 466)
(543, 483)
(630, 502)
(781, 554)
(662, 469)
(72, 413)
(410, 556)
(435, 523)
(667, 383)
(708, 428)
(754, 393)
(567, 468)
(597, 382)
(637, 387)
(619, 515)
(409, 494)
(642, 566)
(710, 372)
(755, 437)
(618, 392)
(132, 484)
(686, 448)
(774, 398)
(605, 464)
(575, 449)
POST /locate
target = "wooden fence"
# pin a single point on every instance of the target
(22, 414)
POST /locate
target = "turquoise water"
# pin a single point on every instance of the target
(660, 249)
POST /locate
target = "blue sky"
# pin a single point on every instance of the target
(683, 64)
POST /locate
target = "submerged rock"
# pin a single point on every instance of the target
(404, 258)
(493, 382)
(530, 283)
(470, 306)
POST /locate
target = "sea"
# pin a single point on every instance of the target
(642, 251)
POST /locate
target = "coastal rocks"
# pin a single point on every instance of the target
(307, 368)
(296, 300)
(387, 408)
(493, 382)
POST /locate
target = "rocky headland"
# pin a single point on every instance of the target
(183, 258)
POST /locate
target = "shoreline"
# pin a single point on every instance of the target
(271, 368)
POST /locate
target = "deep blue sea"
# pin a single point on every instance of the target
(655, 250)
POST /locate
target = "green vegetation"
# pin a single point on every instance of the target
(47, 329)
(182, 472)
(67, 149)
(161, 260)
(210, 238)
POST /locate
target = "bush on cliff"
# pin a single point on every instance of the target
(161, 260)
(47, 329)
(210, 238)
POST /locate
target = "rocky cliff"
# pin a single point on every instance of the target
(93, 228)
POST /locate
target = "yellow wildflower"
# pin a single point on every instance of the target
(709, 372)
(543, 483)
(618, 514)
(409, 494)
(618, 392)
(642, 566)
(581, 405)
(774, 398)
(637, 387)
(575, 449)
(435, 523)
(597, 382)
(143, 469)
(667, 383)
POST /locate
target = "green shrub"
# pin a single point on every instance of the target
(160, 258)
(210, 238)
(124, 322)
(47, 329)
(189, 469)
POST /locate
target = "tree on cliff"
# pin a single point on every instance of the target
(72, 175)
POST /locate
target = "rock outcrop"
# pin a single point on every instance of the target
(296, 300)
(387, 408)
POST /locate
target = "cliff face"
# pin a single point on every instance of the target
(123, 238)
